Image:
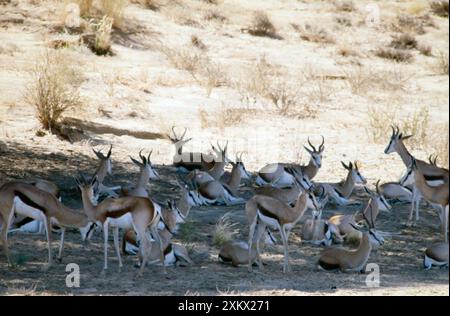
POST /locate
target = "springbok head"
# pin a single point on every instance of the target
(88, 188)
(221, 153)
(300, 179)
(396, 138)
(105, 160)
(383, 204)
(178, 141)
(241, 167)
(146, 165)
(316, 154)
(353, 169)
(375, 238)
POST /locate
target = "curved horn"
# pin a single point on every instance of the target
(377, 186)
(345, 166)
(135, 161)
(184, 133)
(174, 134)
(109, 151)
(149, 155)
(312, 146)
(323, 142)
(393, 130)
(142, 157)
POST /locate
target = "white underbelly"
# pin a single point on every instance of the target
(286, 179)
(23, 209)
(269, 221)
(125, 221)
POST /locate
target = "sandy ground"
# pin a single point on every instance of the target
(133, 98)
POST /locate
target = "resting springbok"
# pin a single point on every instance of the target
(436, 255)
(437, 195)
(29, 201)
(333, 258)
(188, 161)
(127, 212)
(172, 252)
(347, 223)
(236, 252)
(275, 174)
(434, 175)
(341, 192)
(104, 169)
(320, 232)
(265, 211)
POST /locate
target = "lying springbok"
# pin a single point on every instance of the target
(264, 211)
(433, 174)
(436, 255)
(199, 177)
(29, 201)
(104, 169)
(127, 212)
(236, 252)
(173, 253)
(341, 192)
(188, 161)
(286, 195)
(275, 174)
(347, 223)
(437, 195)
(320, 232)
(396, 191)
(238, 173)
(333, 258)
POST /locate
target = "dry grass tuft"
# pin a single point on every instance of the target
(102, 40)
(215, 15)
(262, 26)
(406, 23)
(404, 41)
(314, 34)
(114, 9)
(345, 6)
(54, 89)
(197, 42)
(225, 230)
(440, 8)
(396, 55)
(425, 50)
(343, 20)
(441, 64)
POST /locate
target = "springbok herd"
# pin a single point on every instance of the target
(283, 193)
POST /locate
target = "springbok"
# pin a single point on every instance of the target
(147, 173)
(29, 201)
(437, 195)
(396, 191)
(333, 258)
(127, 212)
(433, 174)
(436, 255)
(236, 252)
(188, 161)
(104, 169)
(172, 252)
(264, 211)
(320, 232)
(286, 195)
(275, 174)
(341, 192)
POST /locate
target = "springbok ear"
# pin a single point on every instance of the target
(308, 150)
(136, 162)
(344, 165)
(405, 137)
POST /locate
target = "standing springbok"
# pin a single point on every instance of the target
(147, 173)
(27, 200)
(437, 195)
(127, 212)
(287, 195)
(341, 192)
(104, 169)
(275, 174)
(264, 211)
(433, 174)
(436, 255)
(188, 161)
(333, 258)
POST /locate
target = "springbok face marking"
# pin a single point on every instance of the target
(395, 138)
(105, 159)
(316, 154)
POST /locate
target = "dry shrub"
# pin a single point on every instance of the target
(397, 55)
(215, 15)
(197, 42)
(343, 20)
(203, 70)
(54, 88)
(154, 5)
(417, 124)
(314, 34)
(225, 230)
(425, 50)
(440, 8)
(404, 41)
(347, 51)
(406, 23)
(345, 6)
(114, 9)
(441, 64)
(262, 26)
(102, 40)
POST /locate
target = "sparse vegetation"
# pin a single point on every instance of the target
(224, 231)
(343, 20)
(441, 64)
(314, 34)
(114, 9)
(54, 89)
(102, 42)
(197, 42)
(345, 6)
(262, 26)
(413, 24)
(404, 41)
(397, 55)
(440, 8)
(425, 50)
(188, 231)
